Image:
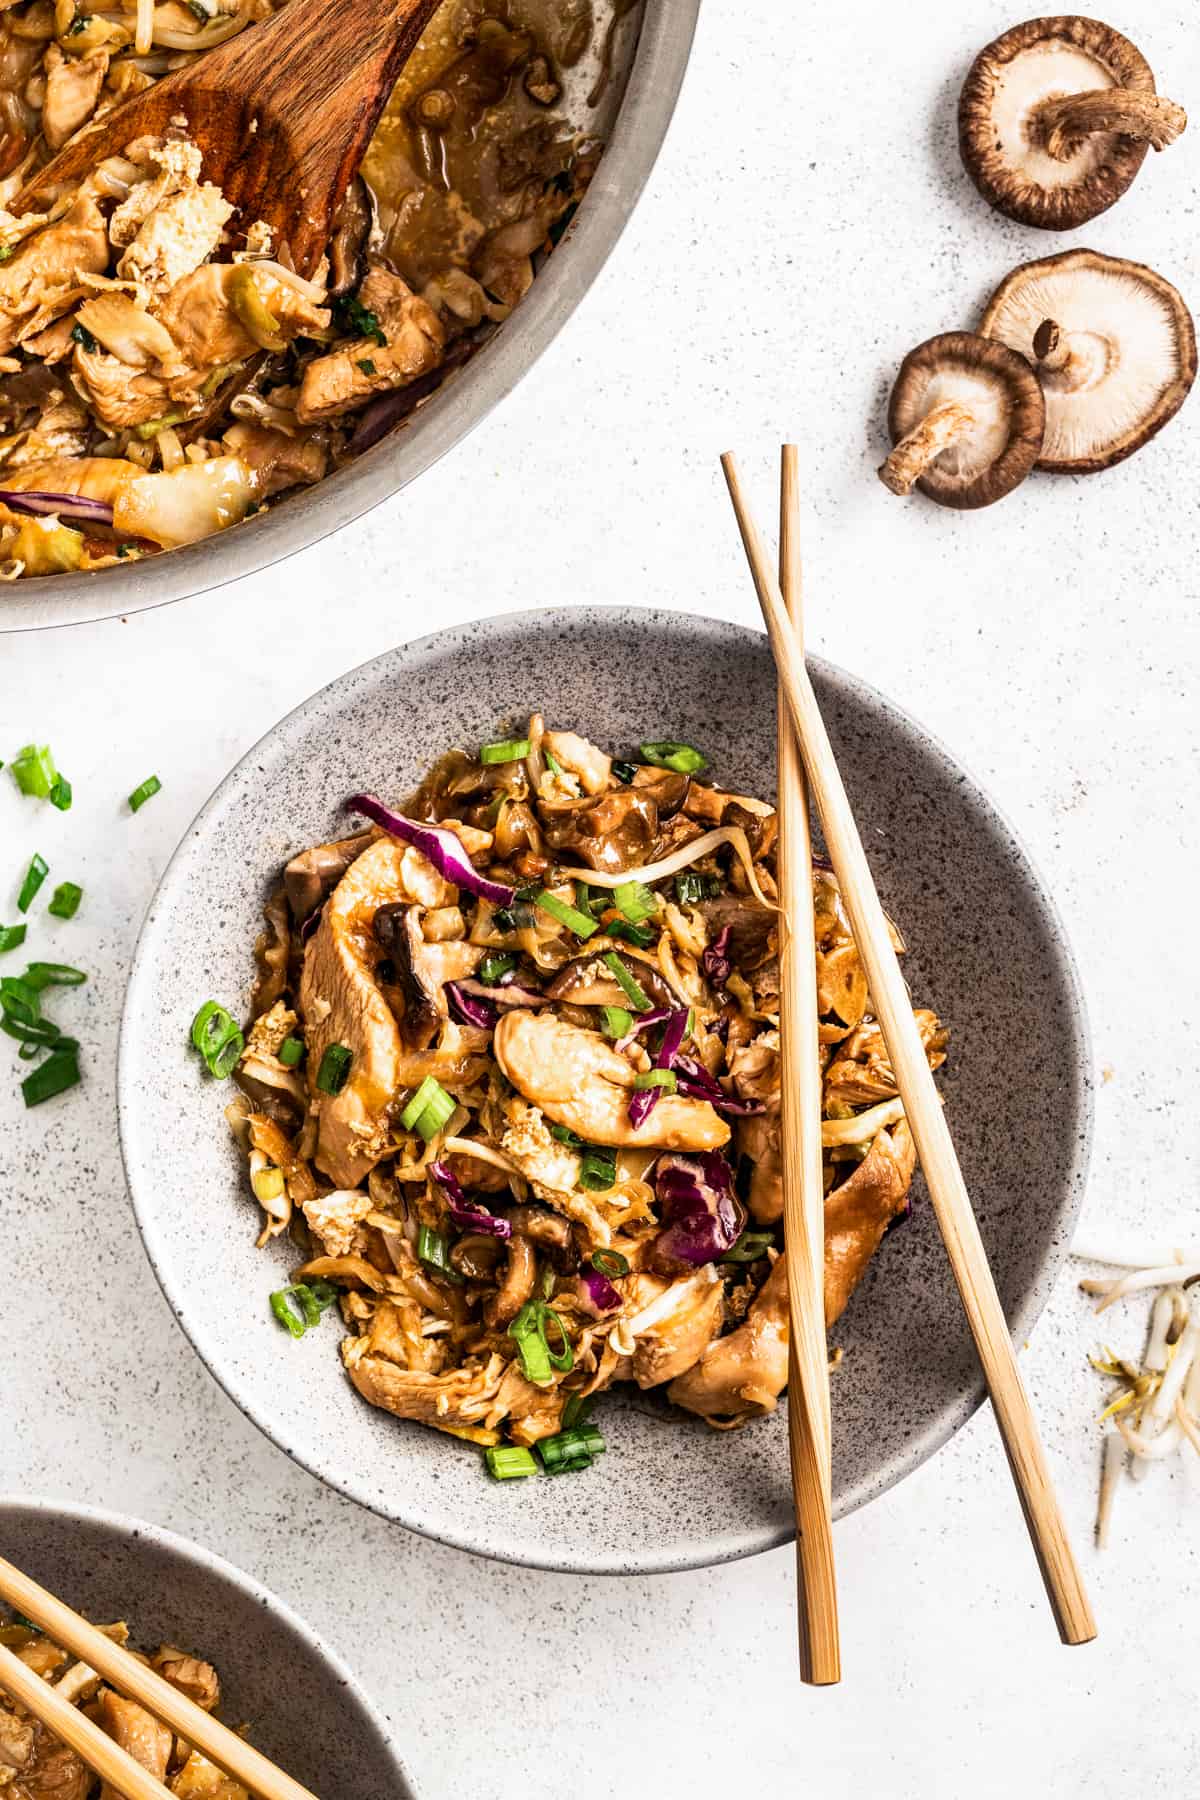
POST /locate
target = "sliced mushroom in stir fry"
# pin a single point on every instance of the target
(164, 372)
(513, 1085)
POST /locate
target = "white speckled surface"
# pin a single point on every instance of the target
(808, 222)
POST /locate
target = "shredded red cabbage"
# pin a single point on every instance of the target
(644, 1100)
(67, 506)
(703, 1215)
(466, 1214)
(716, 962)
(597, 1292)
(642, 1023)
(694, 1080)
(470, 1009)
(443, 849)
(508, 995)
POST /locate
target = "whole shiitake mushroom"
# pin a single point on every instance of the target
(1055, 118)
(967, 419)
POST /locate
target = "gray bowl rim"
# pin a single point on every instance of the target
(655, 78)
(124, 1525)
(924, 1444)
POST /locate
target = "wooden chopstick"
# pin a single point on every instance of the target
(926, 1118)
(138, 1682)
(800, 1149)
(101, 1753)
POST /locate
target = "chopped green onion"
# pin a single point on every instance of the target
(420, 1100)
(506, 1461)
(217, 1037)
(428, 1110)
(435, 1117)
(60, 794)
(635, 902)
(313, 1299)
(335, 1068)
(291, 1051)
(576, 1410)
(533, 1348)
(33, 771)
(506, 751)
(12, 936)
(629, 987)
(65, 901)
(657, 1078)
(59, 1072)
(145, 790)
(685, 759)
(691, 888)
(41, 975)
(43, 1032)
(616, 1021)
(366, 365)
(571, 1449)
(625, 771)
(433, 1249)
(495, 964)
(641, 935)
(566, 914)
(19, 1000)
(750, 1247)
(598, 1169)
(552, 763)
(565, 1135)
(285, 1312)
(610, 1263)
(563, 1358)
(35, 874)
(353, 318)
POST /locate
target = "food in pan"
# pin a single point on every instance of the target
(164, 372)
(511, 1083)
(35, 1765)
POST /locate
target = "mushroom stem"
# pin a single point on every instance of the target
(1062, 124)
(1077, 360)
(923, 445)
(1052, 349)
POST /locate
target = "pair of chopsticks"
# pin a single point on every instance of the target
(137, 1682)
(805, 750)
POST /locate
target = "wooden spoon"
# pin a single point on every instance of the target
(282, 114)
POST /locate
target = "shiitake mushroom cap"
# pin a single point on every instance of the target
(1016, 90)
(983, 375)
(1115, 349)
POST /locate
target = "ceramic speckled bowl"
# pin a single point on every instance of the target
(305, 1710)
(987, 950)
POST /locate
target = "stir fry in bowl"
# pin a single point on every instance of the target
(35, 1765)
(164, 371)
(512, 1085)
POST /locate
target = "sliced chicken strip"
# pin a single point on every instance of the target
(138, 1733)
(743, 1375)
(581, 1082)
